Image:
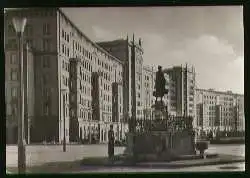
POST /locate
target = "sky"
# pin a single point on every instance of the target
(209, 38)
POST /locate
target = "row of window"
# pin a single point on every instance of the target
(14, 74)
(107, 108)
(14, 91)
(86, 65)
(65, 80)
(85, 77)
(80, 49)
(65, 36)
(84, 102)
(85, 89)
(13, 59)
(28, 31)
(65, 50)
(65, 65)
(85, 115)
(46, 44)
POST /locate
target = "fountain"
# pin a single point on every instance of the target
(165, 137)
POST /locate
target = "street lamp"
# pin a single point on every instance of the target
(19, 25)
(64, 131)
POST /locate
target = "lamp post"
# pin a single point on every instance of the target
(64, 130)
(19, 25)
(28, 119)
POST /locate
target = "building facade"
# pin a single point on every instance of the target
(12, 89)
(148, 89)
(131, 53)
(219, 111)
(181, 86)
(57, 42)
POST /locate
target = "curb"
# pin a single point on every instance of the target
(188, 165)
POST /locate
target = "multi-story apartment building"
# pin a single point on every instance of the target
(12, 89)
(181, 86)
(219, 111)
(148, 89)
(57, 41)
(131, 53)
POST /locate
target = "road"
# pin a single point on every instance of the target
(234, 149)
(43, 154)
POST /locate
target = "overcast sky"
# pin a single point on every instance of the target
(210, 38)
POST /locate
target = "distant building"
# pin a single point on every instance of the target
(223, 111)
(12, 89)
(181, 86)
(148, 88)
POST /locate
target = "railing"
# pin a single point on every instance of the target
(170, 123)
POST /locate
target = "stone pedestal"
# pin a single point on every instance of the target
(161, 143)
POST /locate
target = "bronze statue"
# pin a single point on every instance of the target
(160, 84)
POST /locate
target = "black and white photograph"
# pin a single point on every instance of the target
(124, 89)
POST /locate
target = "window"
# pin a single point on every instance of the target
(63, 48)
(14, 92)
(46, 29)
(67, 37)
(46, 44)
(28, 30)
(46, 61)
(13, 59)
(68, 52)
(13, 74)
(62, 33)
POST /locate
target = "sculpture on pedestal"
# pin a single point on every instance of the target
(160, 89)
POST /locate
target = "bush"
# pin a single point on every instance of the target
(201, 146)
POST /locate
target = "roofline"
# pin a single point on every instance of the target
(219, 92)
(87, 38)
(112, 41)
(77, 29)
(130, 43)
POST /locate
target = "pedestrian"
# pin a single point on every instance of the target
(111, 142)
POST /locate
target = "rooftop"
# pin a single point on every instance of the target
(219, 92)
(71, 23)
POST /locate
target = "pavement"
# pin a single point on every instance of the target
(40, 155)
